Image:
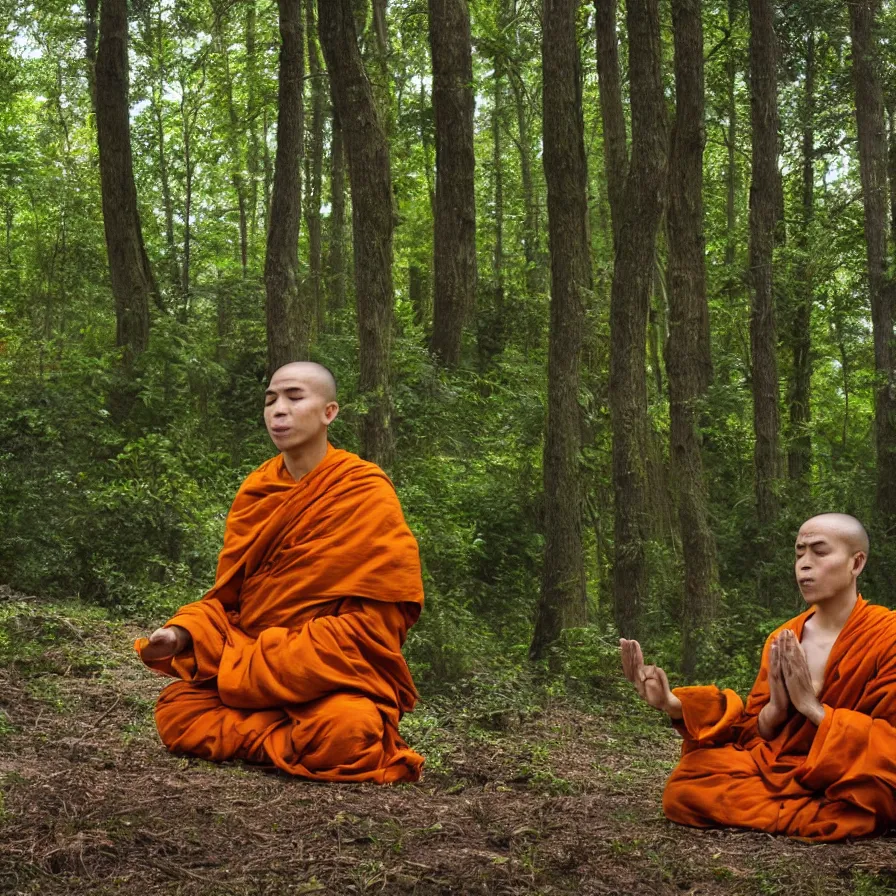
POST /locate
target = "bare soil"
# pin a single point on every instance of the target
(559, 802)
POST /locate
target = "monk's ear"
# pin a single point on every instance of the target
(858, 562)
(330, 412)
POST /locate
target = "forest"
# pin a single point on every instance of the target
(608, 290)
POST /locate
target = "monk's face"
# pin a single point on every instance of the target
(298, 407)
(827, 562)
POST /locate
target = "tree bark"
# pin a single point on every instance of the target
(799, 454)
(611, 112)
(873, 169)
(765, 191)
(252, 156)
(315, 160)
(336, 224)
(688, 359)
(373, 218)
(288, 321)
(90, 35)
(629, 302)
(454, 237)
(562, 602)
(132, 280)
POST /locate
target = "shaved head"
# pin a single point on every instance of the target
(318, 377)
(840, 525)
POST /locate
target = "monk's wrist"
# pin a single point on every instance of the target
(815, 714)
(673, 709)
(184, 638)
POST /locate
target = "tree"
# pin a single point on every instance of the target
(612, 115)
(562, 602)
(288, 323)
(688, 360)
(132, 281)
(765, 206)
(629, 302)
(873, 170)
(454, 246)
(373, 218)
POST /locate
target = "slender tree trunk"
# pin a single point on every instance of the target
(234, 139)
(132, 280)
(611, 112)
(765, 189)
(799, 455)
(373, 218)
(336, 230)
(530, 207)
(491, 322)
(562, 603)
(315, 167)
(154, 38)
(288, 322)
(90, 35)
(454, 239)
(873, 169)
(629, 302)
(688, 359)
(252, 156)
(730, 162)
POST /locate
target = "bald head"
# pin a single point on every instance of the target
(840, 525)
(315, 376)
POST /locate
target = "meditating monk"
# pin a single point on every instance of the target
(813, 752)
(294, 656)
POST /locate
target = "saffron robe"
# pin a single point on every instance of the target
(829, 782)
(296, 655)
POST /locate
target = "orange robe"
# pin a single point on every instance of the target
(296, 657)
(829, 782)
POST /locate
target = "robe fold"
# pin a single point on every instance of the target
(829, 782)
(296, 650)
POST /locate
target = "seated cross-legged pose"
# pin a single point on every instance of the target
(813, 752)
(294, 656)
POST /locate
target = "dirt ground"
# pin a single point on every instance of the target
(557, 802)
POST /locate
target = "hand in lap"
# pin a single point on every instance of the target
(650, 682)
(166, 642)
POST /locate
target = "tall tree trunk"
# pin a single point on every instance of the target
(336, 228)
(891, 165)
(688, 359)
(873, 169)
(612, 115)
(314, 163)
(373, 218)
(454, 238)
(765, 189)
(132, 280)
(154, 38)
(252, 156)
(730, 159)
(629, 302)
(234, 132)
(562, 602)
(90, 34)
(491, 324)
(799, 455)
(287, 320)
(530, 202)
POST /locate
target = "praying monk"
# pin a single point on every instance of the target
(813, 753)
(294, 656)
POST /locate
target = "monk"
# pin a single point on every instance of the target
(813, 753)
(293, 658)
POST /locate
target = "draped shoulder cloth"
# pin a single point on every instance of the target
(296, 656)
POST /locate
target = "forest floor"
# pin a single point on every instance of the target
(555, 800)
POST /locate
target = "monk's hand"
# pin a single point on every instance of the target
(774, 713)
(650, 682)
(795, 671)
(167, 642)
